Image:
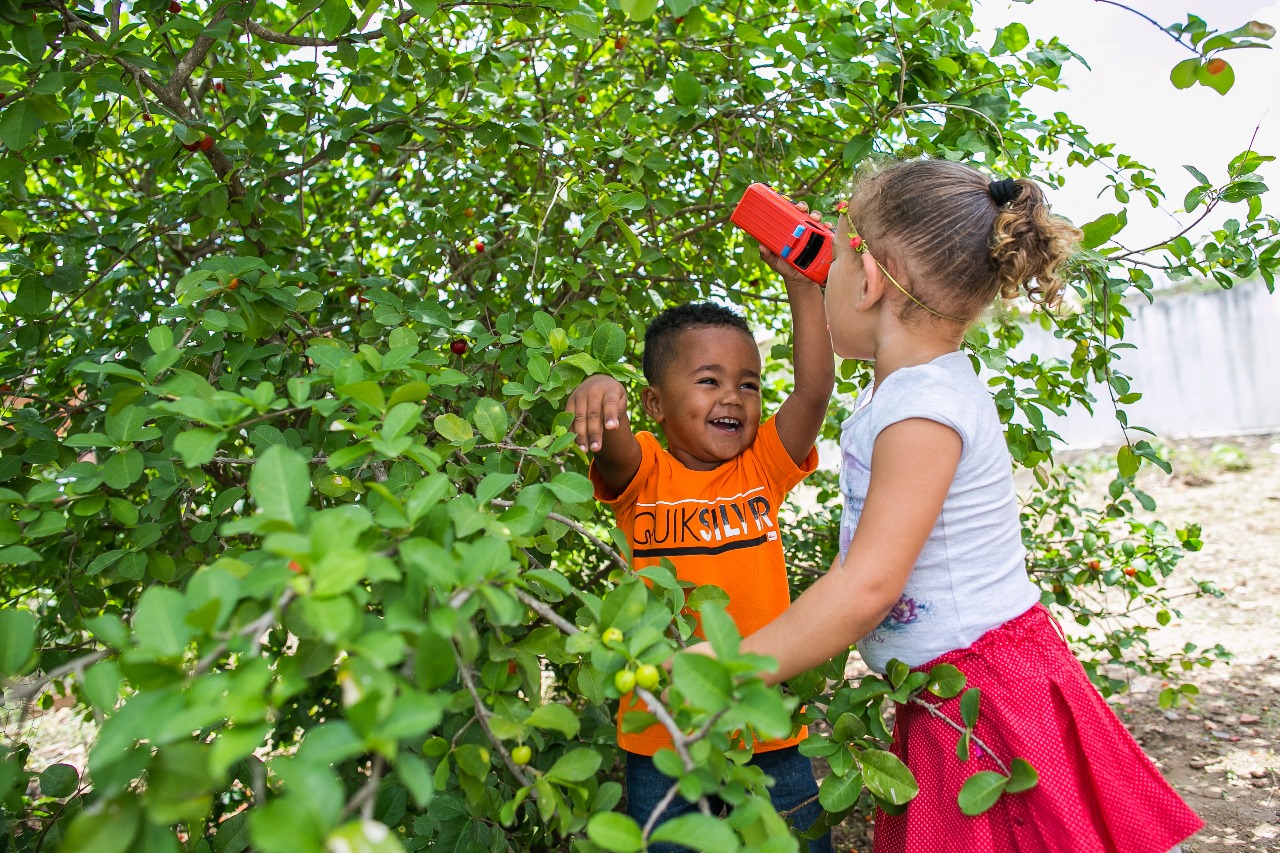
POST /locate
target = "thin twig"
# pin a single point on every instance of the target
(27, 692)
(574, 525)
(539, 607)
(928, 706)
(483, 714)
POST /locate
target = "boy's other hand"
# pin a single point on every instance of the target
(790, 274)
(598, 404)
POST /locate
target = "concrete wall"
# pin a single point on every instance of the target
(1207, 363)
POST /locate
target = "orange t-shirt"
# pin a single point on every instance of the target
(717, 527)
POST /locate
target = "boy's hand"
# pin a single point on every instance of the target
(790, 275)
(598, 404)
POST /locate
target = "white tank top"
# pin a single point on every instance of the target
(971, 575)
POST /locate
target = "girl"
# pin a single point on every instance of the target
(931, 566)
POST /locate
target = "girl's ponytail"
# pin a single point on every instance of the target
(1028, 244)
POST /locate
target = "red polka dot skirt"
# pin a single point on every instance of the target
(1098, 792)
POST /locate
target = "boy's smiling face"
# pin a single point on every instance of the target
(708, 399)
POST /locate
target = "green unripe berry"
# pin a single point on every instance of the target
(611, 637)
(647, 676)
(624, 680)
(522, 755)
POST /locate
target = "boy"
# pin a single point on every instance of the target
(709, 502)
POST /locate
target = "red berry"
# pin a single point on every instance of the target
(458, 347)
(469, 212)
(175, 7)
(511, 668)
(5, 388)
(57, 160)
(524, 59)
(294, 567)
(375, 148)
(680, 20)
(582, 99)
(146, 117)
(191, 146)
(620, 43)
(205, 144)
(479, 247)
(362, 300)
(235, 282)
(1215, 66)
(3, 96)
(220, 87)
(1130, 571)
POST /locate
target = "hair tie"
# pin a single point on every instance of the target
(1004, 191)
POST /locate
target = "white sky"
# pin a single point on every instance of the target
(1128, 99)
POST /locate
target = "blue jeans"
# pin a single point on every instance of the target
(793, 784)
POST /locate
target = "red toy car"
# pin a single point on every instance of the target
(786, 230)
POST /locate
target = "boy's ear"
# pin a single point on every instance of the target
(652, 403)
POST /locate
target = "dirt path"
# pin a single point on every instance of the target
(1222, 753)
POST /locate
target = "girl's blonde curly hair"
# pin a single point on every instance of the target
(955, 242)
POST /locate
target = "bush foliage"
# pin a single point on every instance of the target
(294, 293)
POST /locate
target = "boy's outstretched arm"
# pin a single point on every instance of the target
(600, 426)
(800, 418)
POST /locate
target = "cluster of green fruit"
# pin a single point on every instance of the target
(646, 675)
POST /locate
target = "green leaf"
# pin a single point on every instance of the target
(198, 446)
(980, 792)
(887, 777)
(490, 418)
(639, 10)
(704, 682)
(400, 420)
(554, 717)
(1022, 776)
(59, 780)
(1183, 75)
(720, 631)
(615, 832)
(1127, 461)
(687, 89)
(453, 428)
(335, 17)
(700, 832)
(576, 765)
(159, 623)
(969, 706)
(1014, 37)
(29, 41)
(281, 484)
(1101, 230)
(17, 640)
(608, 343)
(945, 681)
(123, 469)
(108, 828)
(571, 487)
(413, 771)
(839, 793)
(18, 125)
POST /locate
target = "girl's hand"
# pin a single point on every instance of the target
(792, 276)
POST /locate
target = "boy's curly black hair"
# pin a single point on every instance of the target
(661, 336)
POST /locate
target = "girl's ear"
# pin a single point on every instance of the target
(652, 403)
(873, 282)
